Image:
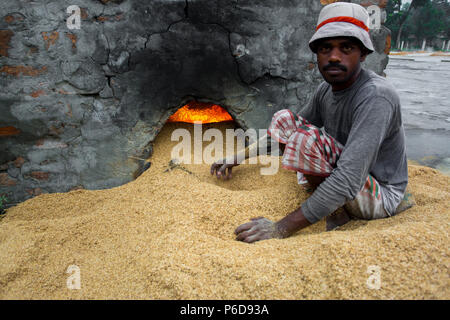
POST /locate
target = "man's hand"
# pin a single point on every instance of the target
(223, 168)
(262, 228)
(257, 229)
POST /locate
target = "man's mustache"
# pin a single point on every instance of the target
(334, 65)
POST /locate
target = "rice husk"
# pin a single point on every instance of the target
(169, 235)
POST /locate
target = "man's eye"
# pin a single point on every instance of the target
(323, 49)
(347, 49)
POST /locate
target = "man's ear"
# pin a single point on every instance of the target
(364, 54)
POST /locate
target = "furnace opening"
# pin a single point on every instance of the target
(196, 111)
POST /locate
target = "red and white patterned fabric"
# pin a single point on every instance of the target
(308, 150)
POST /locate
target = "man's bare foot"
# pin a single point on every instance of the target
(337, 219)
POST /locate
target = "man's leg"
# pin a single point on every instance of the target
(337, 218)
(368, 204)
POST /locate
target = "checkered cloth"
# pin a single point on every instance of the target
(308, 150)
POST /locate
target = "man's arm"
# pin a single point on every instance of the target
(311, 112)
(223, 168)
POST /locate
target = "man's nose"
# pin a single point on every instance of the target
(334, 55)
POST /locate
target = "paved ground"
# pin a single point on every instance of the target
(422, 82)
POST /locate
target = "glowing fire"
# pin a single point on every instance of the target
(200, 111)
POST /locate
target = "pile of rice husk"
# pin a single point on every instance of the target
(169, 235)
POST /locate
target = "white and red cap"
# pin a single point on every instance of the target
(343, 19)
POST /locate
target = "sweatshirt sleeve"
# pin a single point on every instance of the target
(370, 124)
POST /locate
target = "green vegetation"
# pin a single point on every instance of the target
(3, 200)
(418, 21)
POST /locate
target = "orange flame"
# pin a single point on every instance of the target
(200, 111)
(8, 131)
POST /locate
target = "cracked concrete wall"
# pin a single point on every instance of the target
(79, 108)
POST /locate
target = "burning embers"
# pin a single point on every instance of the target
(200, 112)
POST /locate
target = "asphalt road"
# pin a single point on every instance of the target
(423, 83)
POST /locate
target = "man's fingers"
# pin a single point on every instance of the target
(219, 170)
(213, 168)
(243, 235)
(256, 237)
(229, 173)
(253, 238)
(224, 172)
(244, 227)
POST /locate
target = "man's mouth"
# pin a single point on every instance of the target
(334, 70)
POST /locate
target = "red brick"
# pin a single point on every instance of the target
(24, 70)
(40, 175)
(69, 113)
(6, 180)
(32, 50)
(37, 93)
(73, 39)
(34, 192)
(9, 18)
(83, 13)
(325, 2)
(56, 131)
(5, 38)
(50, 39)
(380, 3)
(19, 162)
(8, 131)
(383, 3)
(387, 47)
(102, 18)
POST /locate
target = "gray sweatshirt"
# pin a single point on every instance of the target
(366, 119)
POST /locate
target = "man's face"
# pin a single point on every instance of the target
(339, 60)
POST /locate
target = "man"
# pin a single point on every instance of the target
(348, 141)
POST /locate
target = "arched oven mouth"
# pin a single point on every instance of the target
(204, 112)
